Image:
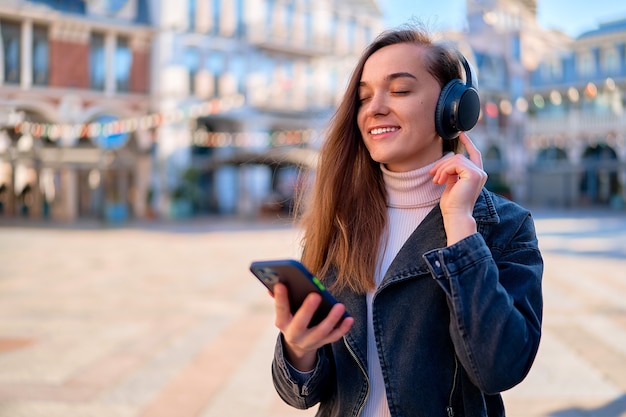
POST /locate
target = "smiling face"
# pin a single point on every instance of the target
(396, 115)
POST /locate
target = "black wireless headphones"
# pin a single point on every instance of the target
(458, 106)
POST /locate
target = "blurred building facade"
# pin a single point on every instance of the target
(552, 125)
(287, 60)
(576, 126)
(117, 109)
(121, 109)
(68, 69)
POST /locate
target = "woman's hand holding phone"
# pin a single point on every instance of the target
(302, 341)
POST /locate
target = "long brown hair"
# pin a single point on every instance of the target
(345, 214)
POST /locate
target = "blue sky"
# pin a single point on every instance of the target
(571, 16)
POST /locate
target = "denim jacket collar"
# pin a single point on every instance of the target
(405, 264)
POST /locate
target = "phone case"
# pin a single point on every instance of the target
(299, 282)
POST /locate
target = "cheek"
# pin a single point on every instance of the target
(429, 108)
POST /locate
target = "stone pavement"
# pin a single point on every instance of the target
(164, 320)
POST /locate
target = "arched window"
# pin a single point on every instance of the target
(599, 182)
(550, 154)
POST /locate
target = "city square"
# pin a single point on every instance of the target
(150, 151)
(161, 318)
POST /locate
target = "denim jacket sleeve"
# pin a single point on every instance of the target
(300, 390)
(495, 299)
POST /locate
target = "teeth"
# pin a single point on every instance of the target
(383, 130)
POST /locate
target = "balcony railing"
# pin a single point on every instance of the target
(280, 39)
(577, 124)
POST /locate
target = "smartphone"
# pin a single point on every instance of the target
(299, 281)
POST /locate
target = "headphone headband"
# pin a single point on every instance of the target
(470, 78)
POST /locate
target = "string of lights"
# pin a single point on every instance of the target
(56, 131)
(200, 137)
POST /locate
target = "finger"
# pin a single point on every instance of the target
(332, 320)
(448, 169)
(281, 305)
(345, 326)
(441, 164)
(307, 310)
(463, 169)
(341, 330)
(472, 151)
(334, 326)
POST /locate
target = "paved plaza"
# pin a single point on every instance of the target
(165, 320)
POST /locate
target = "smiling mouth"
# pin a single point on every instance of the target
(381, 130)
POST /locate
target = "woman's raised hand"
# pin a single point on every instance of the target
(464, 178)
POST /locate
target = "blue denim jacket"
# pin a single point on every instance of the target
(454, 325)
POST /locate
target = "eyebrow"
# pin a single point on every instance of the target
(394, 76)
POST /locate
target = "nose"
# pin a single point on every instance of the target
(377, 105)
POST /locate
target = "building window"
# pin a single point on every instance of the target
(368, 34)
(97, 63)
(308, 28)
(143, 12)
(11, 44)
(586, 65)
(516, 47)
(40, 55)
(123, 64)
(269, 13)
(241, 24)
(216, 63)
(610, 61)
(217, 14)
(192, 62)
(352, 36)
(290, 17)
(555, 69)
(238, 68)
(191, 14)
(333, 29)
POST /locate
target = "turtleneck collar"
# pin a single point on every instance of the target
(412, 189)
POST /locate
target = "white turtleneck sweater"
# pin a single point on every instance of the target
(411, 196)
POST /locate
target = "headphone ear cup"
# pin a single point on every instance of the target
(457, 109)
(444, 112)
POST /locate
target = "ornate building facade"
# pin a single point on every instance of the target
(576, 120)
(120, 109)
(116, 109)
(288, 60)
(552, 125)
(71, 73)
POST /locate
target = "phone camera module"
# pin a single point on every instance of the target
(269, 276)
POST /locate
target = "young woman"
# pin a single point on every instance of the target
(442, 278)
